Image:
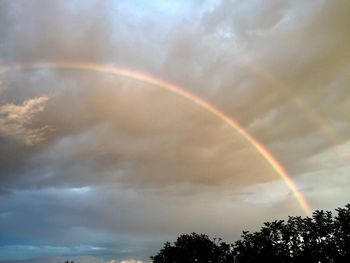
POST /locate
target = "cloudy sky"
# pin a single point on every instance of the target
(101, 167)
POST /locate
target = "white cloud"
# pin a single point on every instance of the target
(336, 156)
(328, 188)
(15, 120)
(126, 261)
(266, 193)
(131, 261)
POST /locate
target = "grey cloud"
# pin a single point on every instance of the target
(279, 53)
(125, 165)
(51, 29)
(117, 131)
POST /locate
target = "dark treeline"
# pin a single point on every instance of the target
(323, 237)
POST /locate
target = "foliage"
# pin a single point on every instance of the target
(194, 248)
(319, 238)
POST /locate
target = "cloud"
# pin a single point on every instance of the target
(130, 261)
(161, 140)
(326, 188)
(17, 251)
(267, 193)
(15, 120)
(118, 164)
(2, 87)
(79, 259)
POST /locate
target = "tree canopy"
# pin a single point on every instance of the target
(194, 248)
(323, 237)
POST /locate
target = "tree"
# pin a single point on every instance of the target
(319, 238)
(194, 248)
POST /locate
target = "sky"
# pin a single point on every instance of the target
(102, 166)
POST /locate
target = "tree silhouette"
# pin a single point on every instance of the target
(315, 239)
(320, 238)
(194, 248)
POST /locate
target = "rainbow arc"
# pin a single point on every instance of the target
(182, 92)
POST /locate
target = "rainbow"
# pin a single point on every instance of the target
(296, 102)
(180, 91)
